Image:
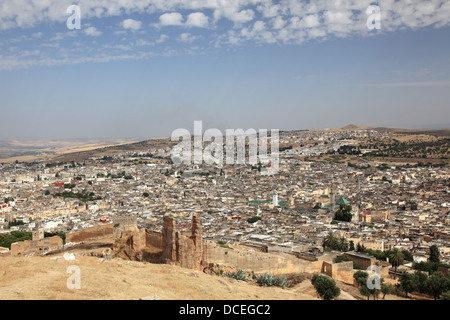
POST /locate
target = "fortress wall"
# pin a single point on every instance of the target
(28, 247)
(259, 261)
(153, 239)
(90, 233)
(342, 271)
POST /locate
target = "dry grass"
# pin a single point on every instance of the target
(46, 278)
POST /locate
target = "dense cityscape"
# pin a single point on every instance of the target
(369, 206)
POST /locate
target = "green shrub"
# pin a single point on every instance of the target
(268, 280)
(238, 275)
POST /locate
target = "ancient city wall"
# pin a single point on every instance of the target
(90, 233)
(364, 262)
(30, 247)
(167, 246)
(342, 271)
(153, 239)
(259, 261)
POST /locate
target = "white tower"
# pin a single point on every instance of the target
(275, 200)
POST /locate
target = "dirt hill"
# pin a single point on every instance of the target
(46, 278)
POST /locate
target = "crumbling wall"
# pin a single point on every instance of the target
(32, 247)
(153, 239)
(90, 233)
(130, 244)
(167, 246)
(123, 221)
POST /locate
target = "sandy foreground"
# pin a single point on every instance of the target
(51, 278)
(47, 277)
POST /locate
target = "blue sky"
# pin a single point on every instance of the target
(145, 68)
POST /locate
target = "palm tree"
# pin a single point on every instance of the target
(329, 241)
(342, 244)
(396, 258)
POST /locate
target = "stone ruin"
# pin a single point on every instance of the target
(38, 245)
(168, 246)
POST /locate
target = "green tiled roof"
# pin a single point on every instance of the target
(342, 201)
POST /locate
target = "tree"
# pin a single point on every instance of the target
(408, 255)
(344, 213)
(329, 241)
(426, 266)
(352, 246)
(408, 283)
(342, 244)
(434, 254)
(386, 289)
(437, 284)
(396, 258)
(253, 219)
(359, 248)
(420, 279)
(446, 295)
(326, 287)
(15, 223)
(360, 278)
(365, 291)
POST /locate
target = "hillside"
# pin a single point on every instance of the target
(46, 278)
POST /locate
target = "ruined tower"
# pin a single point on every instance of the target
(124, 221)
(169, 239)
(38, 232)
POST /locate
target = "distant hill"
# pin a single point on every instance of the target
(354, 127)
(438, 132)
(66, 151)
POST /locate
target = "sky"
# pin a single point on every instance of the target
(139, 69)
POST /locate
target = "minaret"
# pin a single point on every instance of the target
(332, 199)
(275, 199)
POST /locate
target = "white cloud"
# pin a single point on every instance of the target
(131, 24)
(278, 23)
(197, 19)
(311, 21)
(162, 38)
(343, 17)
(92, 31)
(171, 19)
(187, 37)
(141, 42)
(262, 21)
(398, 14)
(243, 16)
